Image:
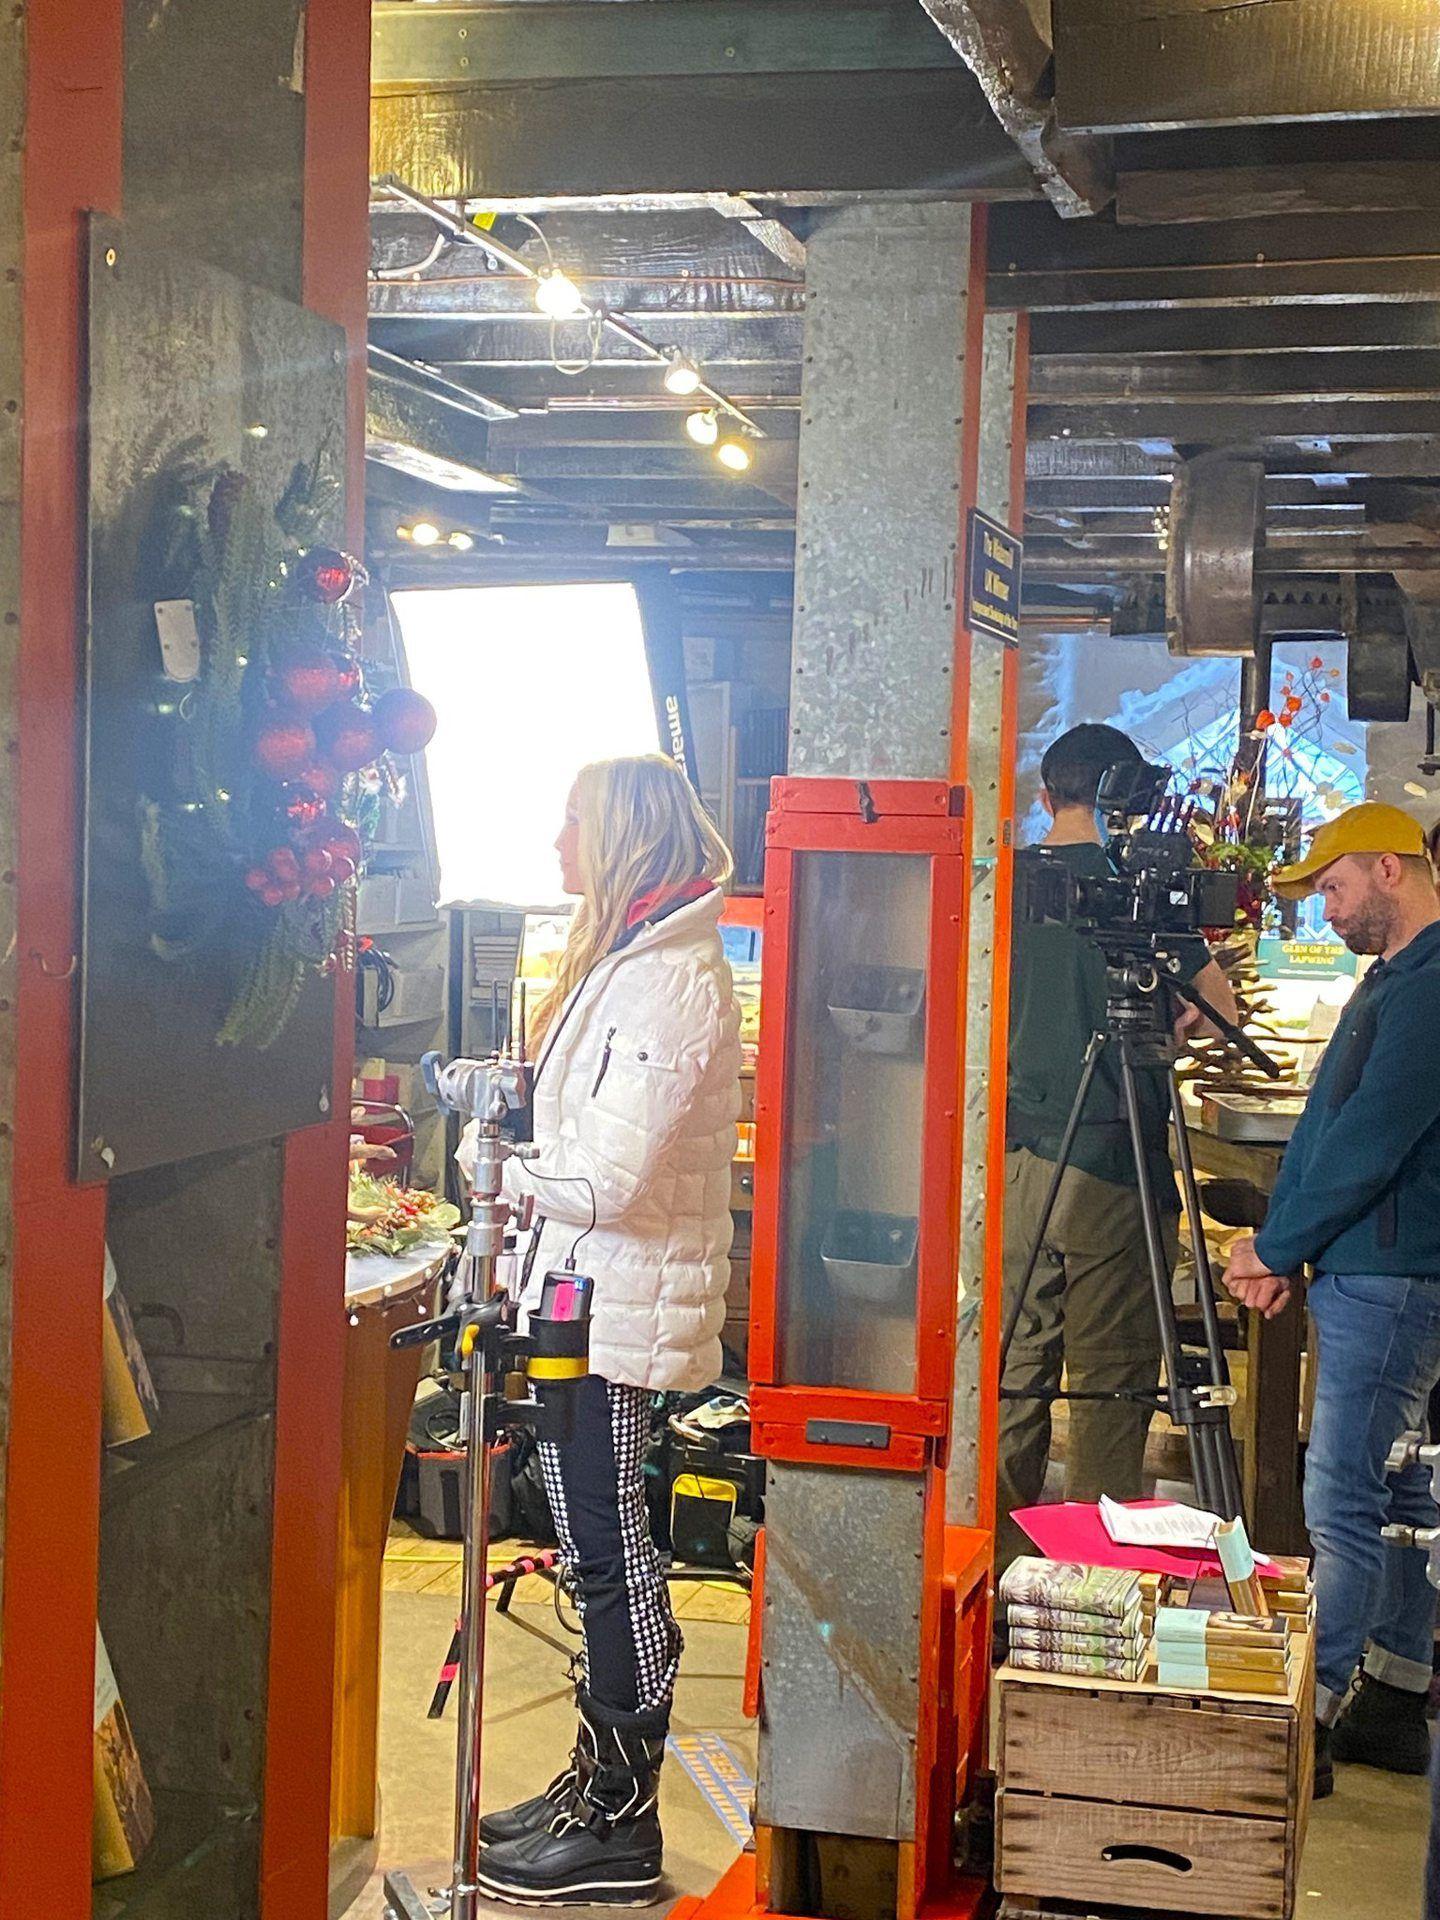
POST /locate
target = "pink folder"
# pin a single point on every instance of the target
(1073, 1530)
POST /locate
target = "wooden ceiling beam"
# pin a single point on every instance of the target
(1131, 64)
(1321, 377)
(1194, 196)
(1247, 423)
(1243, 330)
(1002, 43)
(759, 135)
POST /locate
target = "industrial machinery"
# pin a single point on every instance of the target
(507, 1376)
(871, 1616)
(1218, 562)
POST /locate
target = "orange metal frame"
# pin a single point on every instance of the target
(956, 1600)
(72, 165)
(918, 818)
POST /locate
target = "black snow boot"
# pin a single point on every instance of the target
(601, 1843)
(512, 1823)
(1383, 1726)
(1324, 1782)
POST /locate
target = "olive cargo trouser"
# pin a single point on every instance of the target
(1089, 1311)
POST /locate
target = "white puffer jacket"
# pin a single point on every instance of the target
(637, 1093)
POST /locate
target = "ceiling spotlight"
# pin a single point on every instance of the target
(703, 427)
(402, 532)
(424, 533)
(682, 376)
(461, 541)
(733, 454)
(557, 294)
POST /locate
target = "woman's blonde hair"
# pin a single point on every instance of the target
(642, 830)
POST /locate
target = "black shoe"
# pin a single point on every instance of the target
(1383, 1726)
(1324, 1764)
(603, 1846)
(513, 1823)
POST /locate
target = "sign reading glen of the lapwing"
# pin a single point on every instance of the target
(992, 579)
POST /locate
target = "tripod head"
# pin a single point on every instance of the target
(1143, 987)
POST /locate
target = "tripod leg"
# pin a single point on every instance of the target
(1227, 1468)
(1154, 1240)
(1067, 1143)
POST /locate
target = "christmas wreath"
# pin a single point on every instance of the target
(269, 782)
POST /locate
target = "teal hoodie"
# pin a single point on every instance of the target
(1359, 1188)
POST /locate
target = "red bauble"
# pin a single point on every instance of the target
(309, 679)
(347, 735)
(284, 744)
(257, 879)
(272, 896)
(342, 842)
(321, 887)
(405, 719)
(315, 863)
(327, 575)
(320, 778)
(283, 863)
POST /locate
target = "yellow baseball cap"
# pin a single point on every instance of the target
(1369, 828)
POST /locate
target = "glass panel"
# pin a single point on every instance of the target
(846, 1286)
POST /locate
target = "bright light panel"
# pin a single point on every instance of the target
(529, 683)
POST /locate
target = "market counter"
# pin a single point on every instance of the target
(382, 1294)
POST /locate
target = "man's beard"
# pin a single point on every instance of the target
(1371, 926)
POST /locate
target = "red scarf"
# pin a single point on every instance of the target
(665, 900)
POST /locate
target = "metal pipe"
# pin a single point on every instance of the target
(1338, 556)
(461, 230)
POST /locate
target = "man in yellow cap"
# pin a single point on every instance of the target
(1358, 1201)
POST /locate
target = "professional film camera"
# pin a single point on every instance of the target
(1156, 888)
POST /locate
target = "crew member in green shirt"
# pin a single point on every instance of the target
(1089, 1307)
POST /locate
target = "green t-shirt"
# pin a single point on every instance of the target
(1057, 1001)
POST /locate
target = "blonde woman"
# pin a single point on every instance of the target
(636, 1099)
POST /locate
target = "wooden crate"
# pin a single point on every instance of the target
(1149, 1797)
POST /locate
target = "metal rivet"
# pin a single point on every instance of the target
(110, 256)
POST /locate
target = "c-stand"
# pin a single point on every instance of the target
(1142, 992)
(506, 1378)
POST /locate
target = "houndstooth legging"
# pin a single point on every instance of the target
(597, 1497)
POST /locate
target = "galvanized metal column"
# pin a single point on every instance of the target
(893, 447)
(990, 779)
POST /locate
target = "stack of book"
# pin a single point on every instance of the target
(1063, 1617)
(1206, 1651)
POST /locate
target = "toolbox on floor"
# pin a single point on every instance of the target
(1146, 1797)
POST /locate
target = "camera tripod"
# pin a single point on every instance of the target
(1142, 990)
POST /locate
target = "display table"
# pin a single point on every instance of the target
(382, 1294)
(1274, 1348)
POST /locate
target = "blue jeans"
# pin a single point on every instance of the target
(1379, 1356)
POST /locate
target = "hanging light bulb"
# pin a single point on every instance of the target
(424, 533)
(733, 454)
(703, 427)
(682, 376)
(557, 294)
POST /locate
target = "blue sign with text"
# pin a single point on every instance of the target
(992, 579)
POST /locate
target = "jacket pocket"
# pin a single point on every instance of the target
(604, 1061)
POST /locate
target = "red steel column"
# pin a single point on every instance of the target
(71, 163)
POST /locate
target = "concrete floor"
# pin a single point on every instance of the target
(1363, 1861)
(529, 1727)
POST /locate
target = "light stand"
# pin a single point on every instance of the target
(480, 1332)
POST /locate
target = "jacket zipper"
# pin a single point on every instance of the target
(604, 1062)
